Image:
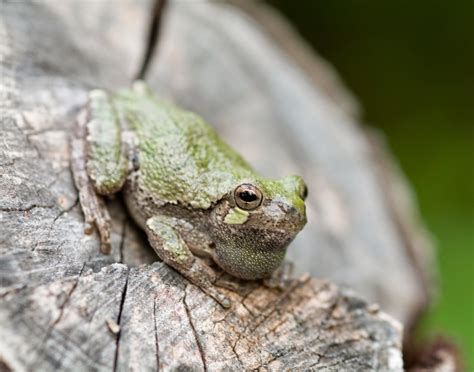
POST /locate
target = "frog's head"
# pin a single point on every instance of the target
(254, 223)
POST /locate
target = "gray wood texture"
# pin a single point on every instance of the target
(65, 306)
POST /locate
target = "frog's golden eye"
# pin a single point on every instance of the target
(247, 196)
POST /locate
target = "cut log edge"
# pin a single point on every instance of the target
(312, 324)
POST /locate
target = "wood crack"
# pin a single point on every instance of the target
(57, 176)
(68, 209)
(122, 239)
(233, 346)
(157, 345)
(4, 292)
(26, 209)
(153, 36)
(51, 227)
(68, 296)
(196, 337)
(61, 313)
(119, 318)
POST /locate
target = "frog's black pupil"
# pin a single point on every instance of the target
(305, 192)
(247, 196)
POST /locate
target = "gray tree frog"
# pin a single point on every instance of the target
(195, 197)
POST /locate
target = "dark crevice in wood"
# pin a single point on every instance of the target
(236, 353)
(68, 296)
(9, 290)
(53, 223)
(64, 211)
(153, 35)
(119, 318)
(122, 239)
(157, 345)
(196, 337)
(26, 209)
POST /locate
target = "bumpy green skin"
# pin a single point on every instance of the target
(177, 166)
(107, 164)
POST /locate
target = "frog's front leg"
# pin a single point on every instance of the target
(98, 162)
(163, 234)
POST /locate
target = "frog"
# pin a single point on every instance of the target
(201, 204)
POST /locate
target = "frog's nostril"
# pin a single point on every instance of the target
(284, 208)
(292, 211)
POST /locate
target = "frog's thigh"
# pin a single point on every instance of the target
(93, 207)
(106, 150)
(165, 239)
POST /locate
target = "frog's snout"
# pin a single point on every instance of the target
(299, 218)
(288, 216)
(287, 209)
(292, 212)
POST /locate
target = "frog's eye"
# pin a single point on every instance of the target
(304, 192)
(247, 196)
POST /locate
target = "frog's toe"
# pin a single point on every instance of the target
(220, 298)
(281, 277)
(224, 301)
(88, 228)
(227, 284)
(278, 282)
(272, 283)
(106, 247)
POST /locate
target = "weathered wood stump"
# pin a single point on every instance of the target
(64, 306)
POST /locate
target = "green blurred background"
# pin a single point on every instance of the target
(411, 65)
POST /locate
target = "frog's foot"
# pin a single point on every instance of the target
(281, 277)
(93, 206)
(227, 284)
(165, 239)
(209, 287)
(96, 214)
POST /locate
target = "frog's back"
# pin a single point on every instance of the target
(182, 159)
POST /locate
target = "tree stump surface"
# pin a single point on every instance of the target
(65, 306)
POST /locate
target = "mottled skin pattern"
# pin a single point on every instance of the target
(181, 185)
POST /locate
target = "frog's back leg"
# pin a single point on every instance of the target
(98, 162)
(106, 153)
